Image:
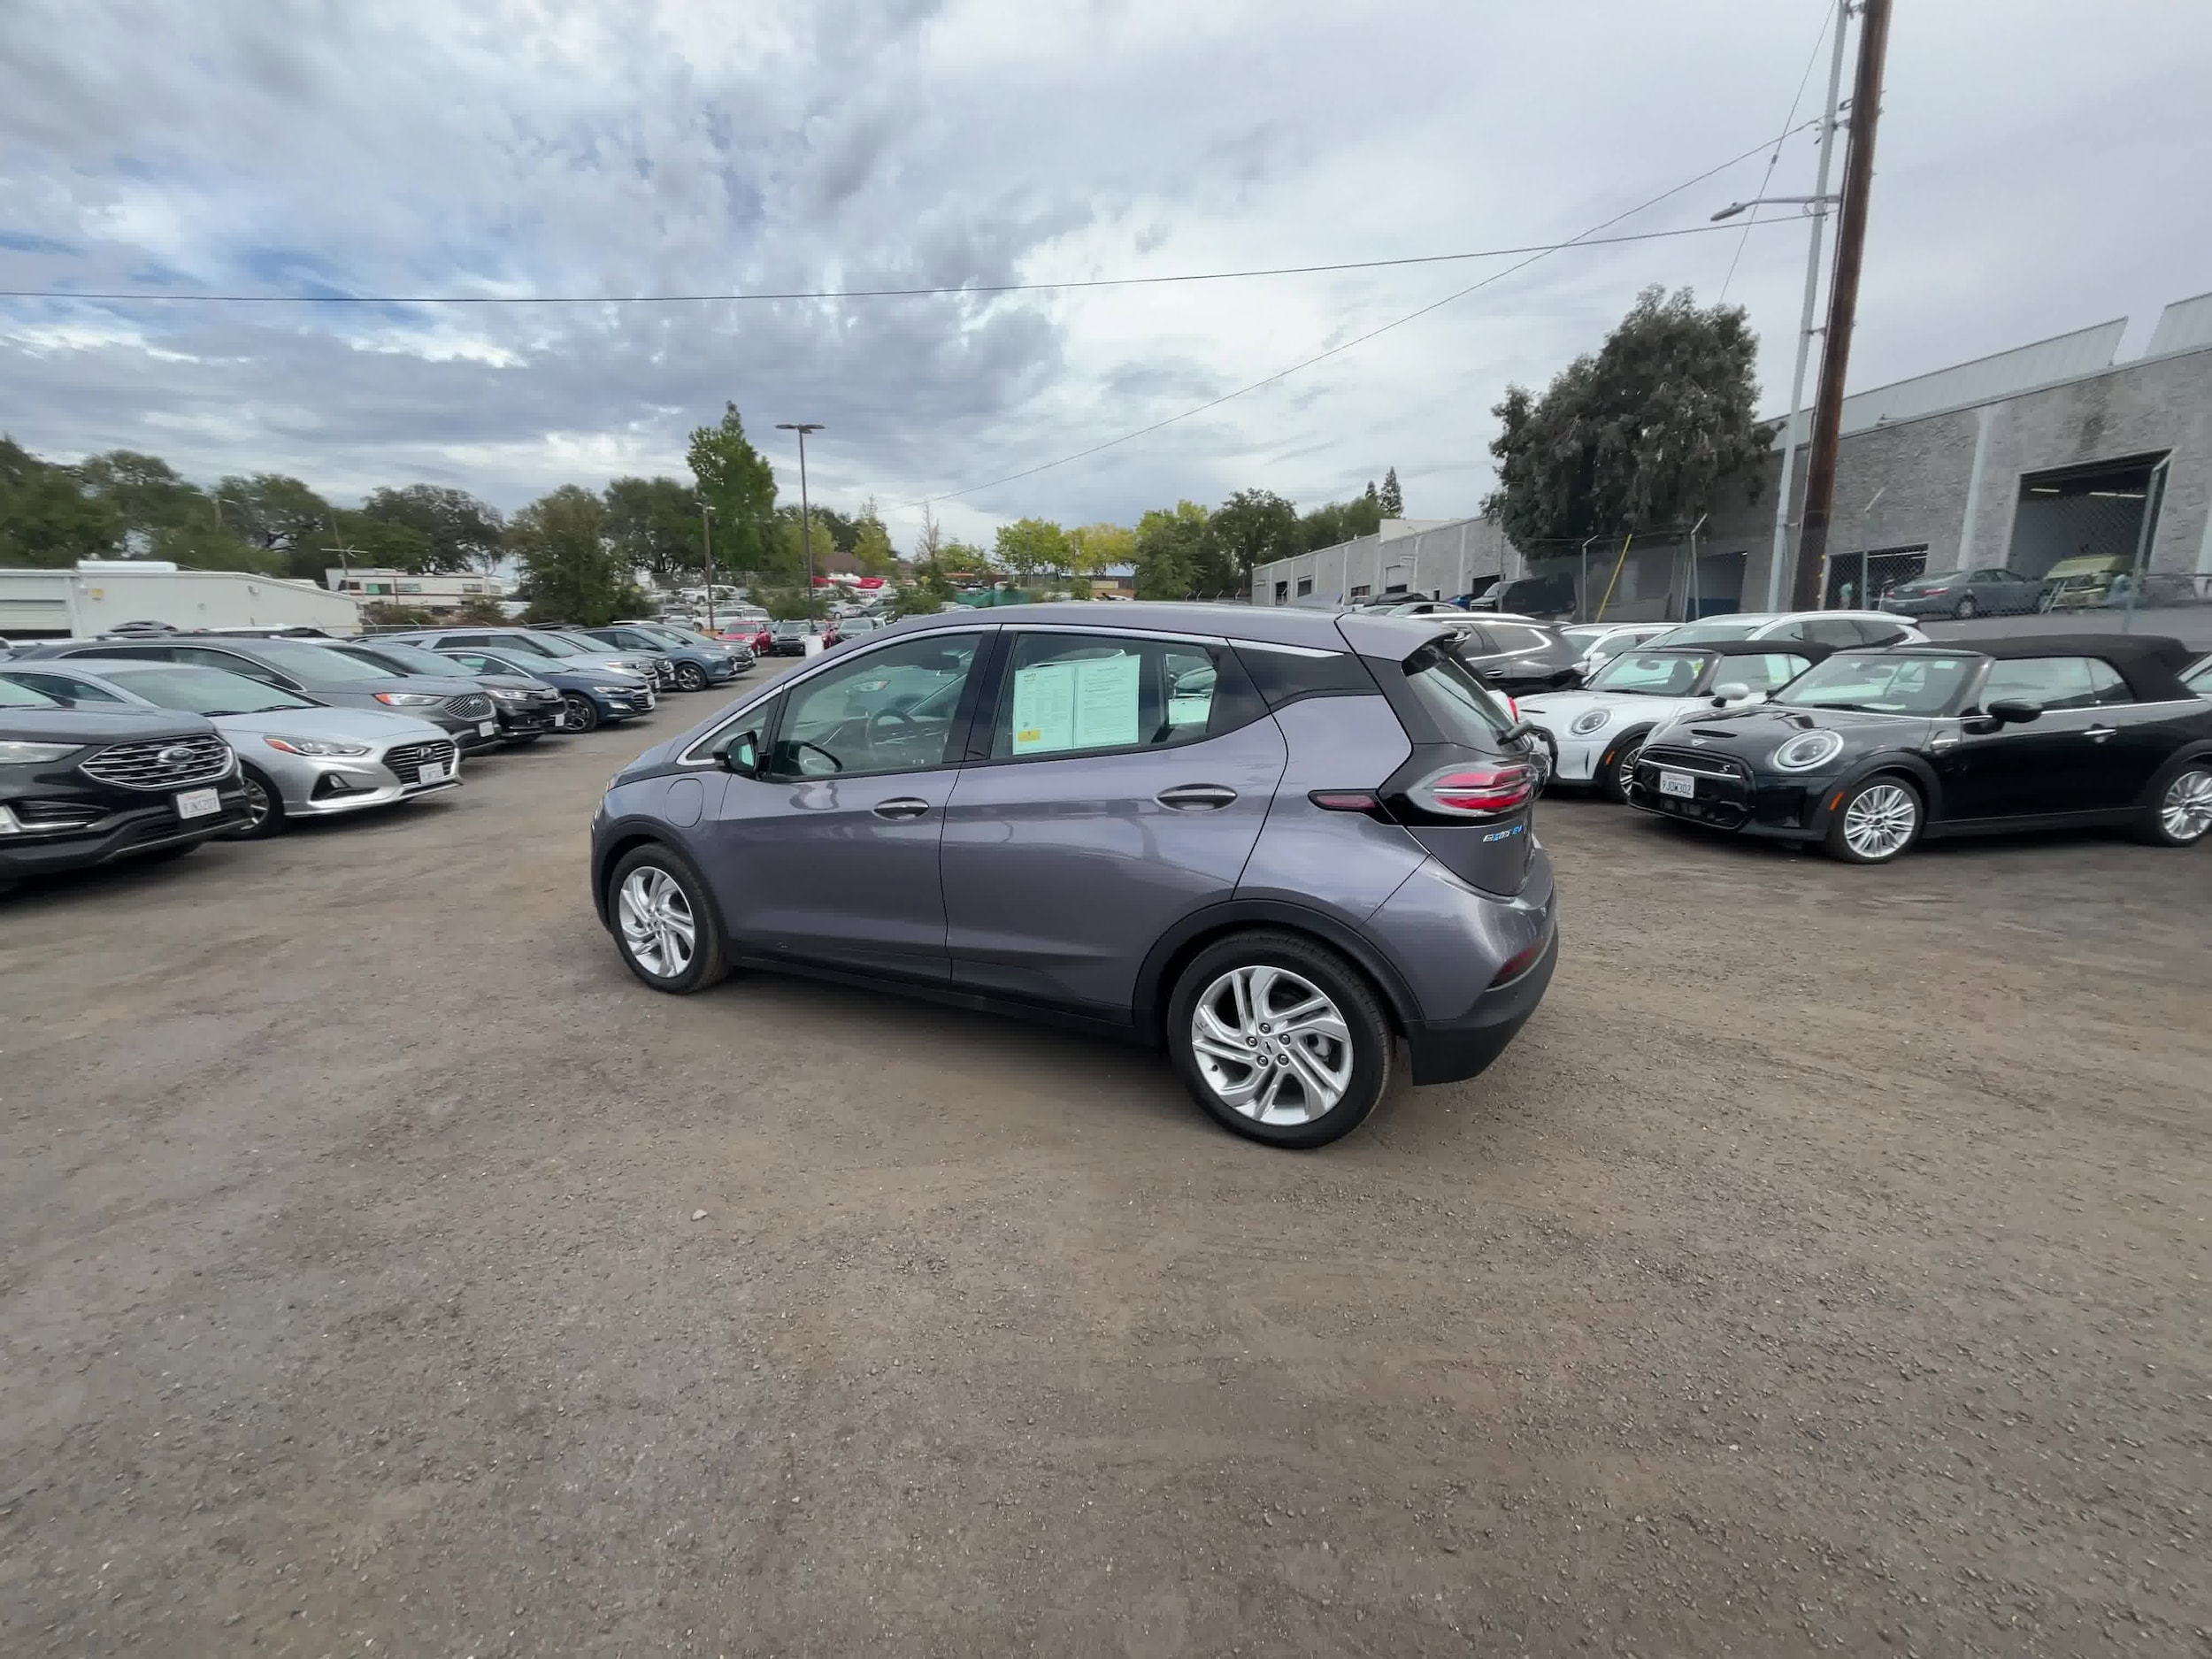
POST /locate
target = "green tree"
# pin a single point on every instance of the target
(963, 558)
(464, 533)
(206, 546)
(570, 571)
(929, 592)
(1031, 548)
(277, 514)
(654, 524)
(1391, 500)
(1172, 549)
(1094, 549)
(739, 484)
(352, 540)
(1251, 528)
(871, 547)
(144, 492)
(1641, 436)
(790, 550)
(1340, 521)
(48, 517)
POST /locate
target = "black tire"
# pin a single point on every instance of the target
(583, 713)
(1841, 843)
(264, 802)
(1363, 1056)
(690, 676)
(709, 961)
(1618, 766)
(1965, 609)
(2153, 828)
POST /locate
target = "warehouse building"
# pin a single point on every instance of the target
(103, 593)
(2045, 452)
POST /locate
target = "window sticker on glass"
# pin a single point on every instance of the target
(1085, 704)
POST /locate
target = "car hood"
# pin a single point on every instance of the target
(1756, 732)
(84, 725)
(359, 726)
(1557, 711)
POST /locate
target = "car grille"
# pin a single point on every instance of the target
(162, 763)
(470, 705)
(406, 761)
(545, 697)
(1720, 767)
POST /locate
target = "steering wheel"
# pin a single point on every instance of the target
(868, 732)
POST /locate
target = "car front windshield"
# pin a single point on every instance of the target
(1653, 673)
(208, 691)
(1873, 682)
(15, 696)
(314, 663)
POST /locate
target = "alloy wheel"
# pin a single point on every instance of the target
(1271, 1045)
(583, 713)
(657, 925)
(691, 676)
(1881, 821)
(2185, 813)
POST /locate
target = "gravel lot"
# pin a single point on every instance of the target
(1825, 1266)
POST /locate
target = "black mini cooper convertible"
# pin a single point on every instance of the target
(1871, 750)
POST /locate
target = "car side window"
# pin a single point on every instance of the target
(891, 710)
(1076, 694)
(1505, 637)
(1837, 631)
(1876, 633)
(2105, 684)
(2046, 682)
(203, 658)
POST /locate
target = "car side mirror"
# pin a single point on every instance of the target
(2013, 711)
(741, 755)
(1732, 691)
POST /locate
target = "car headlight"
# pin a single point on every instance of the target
(1807, 750)
(408, 699)
(615, 691)
(508, 695)
(1590, 720)
(29, 754)
(317, 746)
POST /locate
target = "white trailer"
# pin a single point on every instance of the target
(100, 595)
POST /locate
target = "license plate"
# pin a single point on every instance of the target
(559, 720)
(199, 803)
(431, 772)
(1679, 783)
(486, 728)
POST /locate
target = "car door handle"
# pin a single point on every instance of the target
(906, 806)
(1196, 797)
(2098, 734)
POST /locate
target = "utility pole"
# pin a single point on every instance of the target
(1843, 304)
(706, 541)
(806, 532)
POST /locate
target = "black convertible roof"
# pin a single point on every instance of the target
(2152, 663)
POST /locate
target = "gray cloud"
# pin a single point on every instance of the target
(684, 146)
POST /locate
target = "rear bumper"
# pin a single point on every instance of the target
(1446, 1051)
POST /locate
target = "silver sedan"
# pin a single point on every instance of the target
(299, 758)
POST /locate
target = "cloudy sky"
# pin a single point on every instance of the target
(2039, 161)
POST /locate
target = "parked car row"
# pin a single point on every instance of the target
(148, 743)
(1869, 751)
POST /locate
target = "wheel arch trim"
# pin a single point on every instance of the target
(1155, 979)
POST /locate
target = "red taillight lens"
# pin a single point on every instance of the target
(1520, 962)
(1478, 791)
(1344, 800)
(1514, 709)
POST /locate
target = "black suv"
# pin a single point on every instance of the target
(79, 788)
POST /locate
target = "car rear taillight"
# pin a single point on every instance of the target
(1520, 962)
(1514, 709)
(1345, 800)
(1476, 791)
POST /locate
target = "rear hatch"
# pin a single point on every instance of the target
(1468, 792)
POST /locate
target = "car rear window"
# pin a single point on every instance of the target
(1463, 709)
(1284, 673)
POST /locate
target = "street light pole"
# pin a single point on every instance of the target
(806, 532)
(706, 541)
(1843, 303)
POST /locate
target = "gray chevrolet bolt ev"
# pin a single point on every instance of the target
(1271, 840)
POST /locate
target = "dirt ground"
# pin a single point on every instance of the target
(1825, 1266)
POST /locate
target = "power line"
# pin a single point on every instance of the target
(1803, 81)
(1537, 249)
(1588, 239)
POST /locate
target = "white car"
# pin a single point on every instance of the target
(1595, 734)
(1838, 629)
(1600, 641)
